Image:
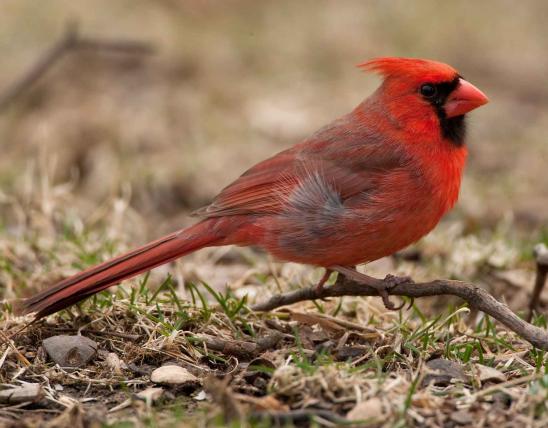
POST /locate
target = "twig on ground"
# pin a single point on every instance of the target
(240, 348)
(71, 40)
(476, 297)
(541, 257)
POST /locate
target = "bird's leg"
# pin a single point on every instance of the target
(387, 283)
(323, 280)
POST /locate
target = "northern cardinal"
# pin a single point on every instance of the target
(361, 188)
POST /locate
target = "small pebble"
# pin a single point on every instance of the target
(173, 375)
(441, 372)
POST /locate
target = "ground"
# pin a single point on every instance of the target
(108, 150)
(316, 363)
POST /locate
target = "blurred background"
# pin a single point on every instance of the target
(155, 136)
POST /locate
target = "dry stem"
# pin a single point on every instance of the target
(476, 297)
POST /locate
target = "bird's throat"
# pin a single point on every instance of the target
(453, 129)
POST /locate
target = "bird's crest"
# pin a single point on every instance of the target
(411, 67)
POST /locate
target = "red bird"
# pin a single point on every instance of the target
(361, 188)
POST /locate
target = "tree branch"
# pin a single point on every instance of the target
(541, 257)
(476, 298)
(71, 40)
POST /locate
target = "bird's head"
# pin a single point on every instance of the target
(424, 93)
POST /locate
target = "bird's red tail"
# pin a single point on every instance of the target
(100, 277)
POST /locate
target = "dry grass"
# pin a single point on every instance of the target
(107, 151)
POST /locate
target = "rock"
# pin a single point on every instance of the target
(70, 351)
(21, 393)
(173, 375)
(489, 374)
(370, 410)
(442, 371)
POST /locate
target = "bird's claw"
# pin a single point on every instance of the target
(382, 287)
(319, 290)
(383, 293)
(390, 281)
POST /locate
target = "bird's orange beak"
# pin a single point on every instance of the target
(466, 97)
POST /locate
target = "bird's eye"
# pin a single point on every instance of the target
(428, 90)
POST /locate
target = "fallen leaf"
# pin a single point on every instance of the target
(489, 374)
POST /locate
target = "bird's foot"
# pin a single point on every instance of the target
(382, 287)
(390, 281)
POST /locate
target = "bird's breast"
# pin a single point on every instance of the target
(321, 225)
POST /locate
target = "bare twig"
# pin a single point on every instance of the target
(541, 257)
(476, 297)
(70, 40)
(240, 348)
(237, 348)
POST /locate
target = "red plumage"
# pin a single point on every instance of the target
(361, 188)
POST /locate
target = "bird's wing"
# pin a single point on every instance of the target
(347, 161)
